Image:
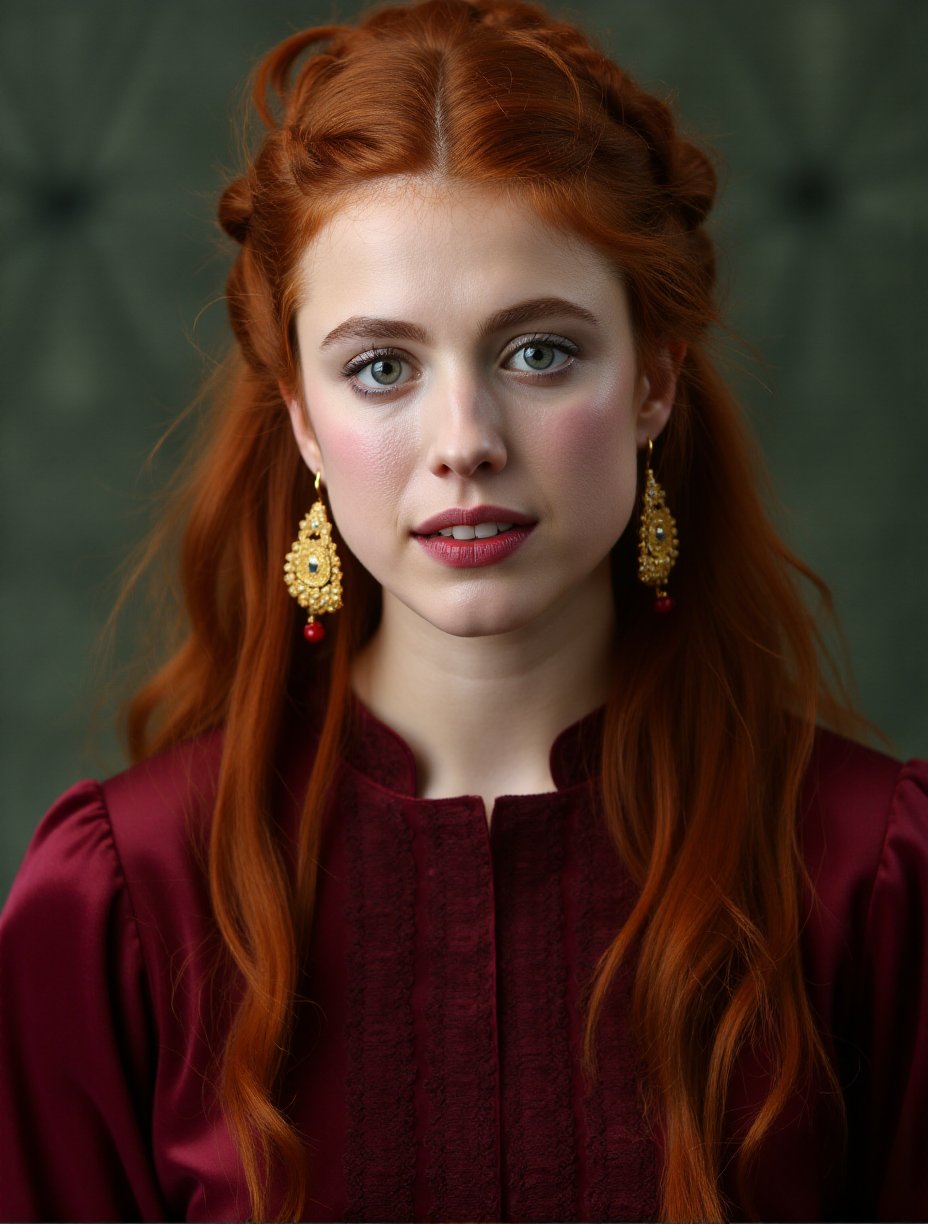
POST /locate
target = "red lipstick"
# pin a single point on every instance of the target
(467, 554)
(470, 518)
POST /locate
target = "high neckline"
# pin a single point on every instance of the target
(381, 754)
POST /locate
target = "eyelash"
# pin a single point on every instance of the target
(567, 347)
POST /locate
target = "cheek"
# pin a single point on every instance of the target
(362, 471)
(355, 461)
(593, 444)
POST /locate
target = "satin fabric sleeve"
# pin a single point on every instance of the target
(894, 1006)
(78, 1045)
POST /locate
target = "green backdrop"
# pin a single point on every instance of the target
(115, 132)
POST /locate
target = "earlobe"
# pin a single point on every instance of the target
(302, 429)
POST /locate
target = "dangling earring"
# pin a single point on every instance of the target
(312, 570)
(657, 539)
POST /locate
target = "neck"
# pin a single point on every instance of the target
(480, 714)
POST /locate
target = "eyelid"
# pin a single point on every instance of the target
(545, 341)
(374, 354)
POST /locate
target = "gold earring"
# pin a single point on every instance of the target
(657, 539)
(312, 570)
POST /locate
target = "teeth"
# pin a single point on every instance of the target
(483, 531)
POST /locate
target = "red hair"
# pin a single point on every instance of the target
(708, 736)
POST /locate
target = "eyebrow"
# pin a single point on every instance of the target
(363, 327)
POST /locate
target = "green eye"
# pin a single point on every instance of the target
(386, 371)
(541, 356)
(538, 356)
(376, 372)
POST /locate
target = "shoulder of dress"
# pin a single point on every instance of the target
(163, 800)
(850, 795)
(837, 760)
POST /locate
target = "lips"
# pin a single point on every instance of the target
(475, 553)
(460, 517)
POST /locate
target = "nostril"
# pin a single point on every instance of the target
(465, 456)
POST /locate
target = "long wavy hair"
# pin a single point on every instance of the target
(709, 734)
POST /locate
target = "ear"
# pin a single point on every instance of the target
(656, 393)
(302, 429)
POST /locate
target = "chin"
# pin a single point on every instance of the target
(477, 630)
(479, 621)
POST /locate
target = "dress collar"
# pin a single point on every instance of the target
(381, 754)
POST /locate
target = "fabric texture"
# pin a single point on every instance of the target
(436, 1070)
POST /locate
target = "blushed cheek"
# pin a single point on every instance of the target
(361, 473)
(594, 441)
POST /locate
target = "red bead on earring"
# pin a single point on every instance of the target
(314, 631)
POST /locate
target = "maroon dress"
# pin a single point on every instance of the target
(436, 1073)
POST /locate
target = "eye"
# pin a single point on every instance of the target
(376, 372)
(541, 355)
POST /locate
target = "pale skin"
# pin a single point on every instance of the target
(478, 669)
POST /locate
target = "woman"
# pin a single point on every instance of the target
(527, 886)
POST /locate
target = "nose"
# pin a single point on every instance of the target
(466, 434)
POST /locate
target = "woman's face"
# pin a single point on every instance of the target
(464, 367)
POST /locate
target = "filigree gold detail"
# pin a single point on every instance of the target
(312, 570)
(657, 538)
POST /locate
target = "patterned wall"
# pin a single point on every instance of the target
(115, 130)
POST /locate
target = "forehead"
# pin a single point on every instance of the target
(447, 241)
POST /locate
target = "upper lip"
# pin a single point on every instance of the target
(470, 518)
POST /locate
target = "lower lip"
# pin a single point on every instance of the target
(468, 554)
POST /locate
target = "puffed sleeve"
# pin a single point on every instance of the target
(77, 1036)
(894, 1008)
